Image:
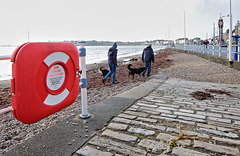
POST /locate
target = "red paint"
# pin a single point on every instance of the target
(35, 79)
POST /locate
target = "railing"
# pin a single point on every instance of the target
(214, 50)
(5, 57)
(7, 109)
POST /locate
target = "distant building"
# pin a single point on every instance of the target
(226, 35)
(237, 27)
(181, 41)
(197, 40)
(235, 31)
(168, 42)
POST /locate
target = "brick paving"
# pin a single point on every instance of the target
(169, 121)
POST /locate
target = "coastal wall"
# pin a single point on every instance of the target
(221, 60)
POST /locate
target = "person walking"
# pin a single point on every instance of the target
(112, 63)
(147, 58)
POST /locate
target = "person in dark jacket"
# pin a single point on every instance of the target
(147, 58)
(112, 63)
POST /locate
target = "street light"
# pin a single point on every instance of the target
(230, 32)
(184, 32)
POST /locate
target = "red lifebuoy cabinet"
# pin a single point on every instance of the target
(45, 79)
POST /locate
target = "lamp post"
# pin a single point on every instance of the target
(213, 39)
(184, 32)
(83, 80)
(230, 33)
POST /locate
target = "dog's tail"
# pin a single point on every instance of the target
(129, 66)
(100, 70)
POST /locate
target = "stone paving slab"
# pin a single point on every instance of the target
(187, 152)
(92, 152)
(120, 147)
(169, 121)
(216, 148)
(168, 137)
(119, 136)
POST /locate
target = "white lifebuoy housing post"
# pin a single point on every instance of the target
(83, 80)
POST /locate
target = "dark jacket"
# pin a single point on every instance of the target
(112, 56)
(148, 55)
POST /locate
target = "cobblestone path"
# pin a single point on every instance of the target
(170, 121)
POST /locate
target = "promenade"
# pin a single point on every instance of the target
(171, 114)
(170, 121)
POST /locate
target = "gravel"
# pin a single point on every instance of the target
(194, 68)
(13, 132)
(185, 66)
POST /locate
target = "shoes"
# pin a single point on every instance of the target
(103, 80)
(115, 83)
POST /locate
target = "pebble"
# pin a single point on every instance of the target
(74, 123)
(194, 68)
(16, 132)
(188, 67)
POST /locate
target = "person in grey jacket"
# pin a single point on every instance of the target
(147, 58)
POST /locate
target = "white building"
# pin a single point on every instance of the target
(181, 41)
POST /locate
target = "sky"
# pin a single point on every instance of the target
(110, 20)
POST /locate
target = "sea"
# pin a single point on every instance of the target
(94, 54)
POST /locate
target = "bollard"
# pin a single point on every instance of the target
(235, 56)
(238, 52)
(83, 80)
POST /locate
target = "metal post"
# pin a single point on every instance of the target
(5, 110)
(219, 50)
(213, 39)
(184, 32)
(207, 51)
(83, 80)
(238, 52)
(230, 32)
(213, 52)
